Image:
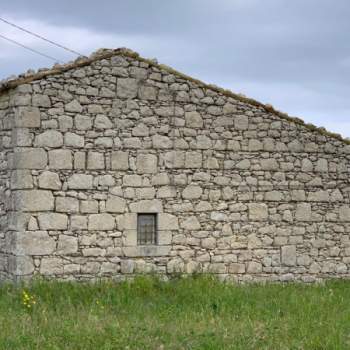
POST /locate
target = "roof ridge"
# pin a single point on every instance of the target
(108, 53)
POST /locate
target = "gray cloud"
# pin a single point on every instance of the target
(293, 54)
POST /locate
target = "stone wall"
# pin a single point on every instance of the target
(238, 191)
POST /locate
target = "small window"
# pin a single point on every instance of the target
(147, 229)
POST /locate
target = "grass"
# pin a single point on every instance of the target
(189, 313)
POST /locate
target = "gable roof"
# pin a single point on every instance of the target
(108, 53)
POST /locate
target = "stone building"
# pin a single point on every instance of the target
(114, 165)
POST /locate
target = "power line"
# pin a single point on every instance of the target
(30, 49)
(40, 37)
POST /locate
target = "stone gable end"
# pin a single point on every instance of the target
(238, 191)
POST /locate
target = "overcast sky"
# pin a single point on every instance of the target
(294, 55)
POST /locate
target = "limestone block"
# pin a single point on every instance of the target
(49, 138)
(27, 117)
(82, 122)
(254, 145)
(67, 205)
(127, 266)
(73, 106)
(167, 222)
(288, 255)
(166, 192)
(39, 100)
(73, 140)
(241, 122)
(269, 164)
(274, 196)
(321, 165)
(160, 179)
(33, 200)
(298, 195)
(36, 243)
(164, 237)
(100, 222)
(102, 122)
(193, 120)
(236, 268)
(49, 180)
(29, 158)
(78, 222)
(51, 266)
(80, 182)
(258, 212)
(147, 206)
(243, 164)
(79, 160)
(67, 245)
(53, 221)
(21, 179)
(60, 159)
(254, 267)
(344, 213)
(192, 192)
(65, 122)
(318, 196)
(175, 265)
(132, 180)
(95, 160)
(203, 142)
(24, 265)
(147, 93)
(306, 165)
(90, 207)
(161, 142)
(303, 212)
(127, 88)
(105, 180)
(222, 121)
(146, 163)
(147, 250)
(115, 204)
(190, 223)
(193, 160)
(120, 160)
(174, 159)
(21, 137)
(208, 243)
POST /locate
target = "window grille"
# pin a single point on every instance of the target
(146, 229)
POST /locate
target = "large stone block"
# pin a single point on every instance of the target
(115, 204)
(193, 120)
(120, 160)
(344, 213)
(167, 222)
(51, 266)
(288, 255)
(101, 222)
(303, 212)
(49, 138)
(33, 200)
(35, 243)
(67, 245)
(258, 212)
(60, 159)
(29, 158)
(146, 163)
(127, 88)
(21, 179)
(49, 180)
(27, 117)
(192, 192)
(73, 106)
(80, 182)
(147, 206)
(67, 205)
(53, 221)
(95, 161)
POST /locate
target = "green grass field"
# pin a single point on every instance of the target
(192, 313)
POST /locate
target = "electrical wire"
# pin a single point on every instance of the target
(40, 37)
(29, 48)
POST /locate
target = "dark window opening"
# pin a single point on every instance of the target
(147, 229)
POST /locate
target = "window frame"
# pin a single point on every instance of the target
(138, 229)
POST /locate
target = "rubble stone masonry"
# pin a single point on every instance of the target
(238, 190)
